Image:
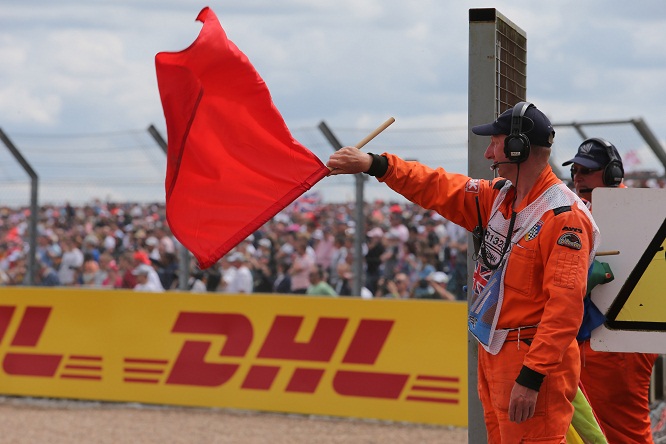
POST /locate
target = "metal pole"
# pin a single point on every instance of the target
(494, 44)
(651, 139)
(359, 236)
(640, 125)
(158, 137)
(34, 187)
(359, 230)
(184, 261)
(579, 129)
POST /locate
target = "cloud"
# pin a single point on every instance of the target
(74, 66)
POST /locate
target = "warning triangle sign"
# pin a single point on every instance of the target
(633, 222)
(640, 303)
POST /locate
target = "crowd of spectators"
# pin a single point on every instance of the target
(408, 252)
(306, 249)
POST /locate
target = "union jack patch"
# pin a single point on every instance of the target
(472, 186)
(534, 231)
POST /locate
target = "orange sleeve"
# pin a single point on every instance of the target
(451, 195)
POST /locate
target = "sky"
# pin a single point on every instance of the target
(78, 86)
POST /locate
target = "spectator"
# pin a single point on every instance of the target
(113, 277)
(125, 267)
(398, 287)
(197, 281)
(261, 274)
(227, 273)
(88, 273)
(373, 258)
(282, 282)
(166, 267)
(241, 281)
(458, 248)
(392, 256)
(144, 282)
(212, 279)
(324, 248)
(343, 286)
(141, 258)
(338, 254)
(437, 282)
(102, 275)
(109, 241)
(398, 227)
(71, 262)
(302, 263)
(48, 277)
(318, 286)
(91, 247)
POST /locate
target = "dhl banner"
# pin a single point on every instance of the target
(398, 360)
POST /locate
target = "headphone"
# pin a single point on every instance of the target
(516, 144)
(613, 171)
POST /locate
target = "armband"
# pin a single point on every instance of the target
(530, 379)
(379, 165)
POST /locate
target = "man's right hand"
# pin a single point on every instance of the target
(349, 160)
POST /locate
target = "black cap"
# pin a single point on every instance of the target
(594, 154)
(535, 126)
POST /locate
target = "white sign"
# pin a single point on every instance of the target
(633, 222)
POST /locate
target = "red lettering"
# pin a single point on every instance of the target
(190, 367)
(369, 384)
(260, 377)
(280, 343)
(31, 326)
(236, 327)
(437, 389)
(368, 341)
(25, 364)
(6, 313)
(27, 334)
(305, 380)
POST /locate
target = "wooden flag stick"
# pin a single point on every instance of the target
(375, 133)
(607, 253)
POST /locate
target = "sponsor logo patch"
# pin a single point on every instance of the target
(570, 240)
(534, 231)
(472, 186)
(574, 229)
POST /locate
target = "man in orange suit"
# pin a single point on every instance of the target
(617, 384)
(535, 242)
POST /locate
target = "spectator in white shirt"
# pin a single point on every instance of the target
(144, 282)
(242, 281)
(71, 262)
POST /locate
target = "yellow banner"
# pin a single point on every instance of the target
(399, 360)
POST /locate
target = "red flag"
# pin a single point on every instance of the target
(232, 163)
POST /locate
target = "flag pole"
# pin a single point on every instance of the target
(607, 253)
(375, 133)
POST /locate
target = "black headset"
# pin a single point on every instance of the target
(516, 144)
(613, 171)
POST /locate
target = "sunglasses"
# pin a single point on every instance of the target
(582, 170)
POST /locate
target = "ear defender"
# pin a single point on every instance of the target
(516, 144)
(613, 171)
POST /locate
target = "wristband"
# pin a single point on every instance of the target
(530, 379)
(379, 165)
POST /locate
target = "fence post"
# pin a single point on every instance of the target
(34, 215)
(184, 261)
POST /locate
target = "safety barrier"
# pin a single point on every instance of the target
(399, 360)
